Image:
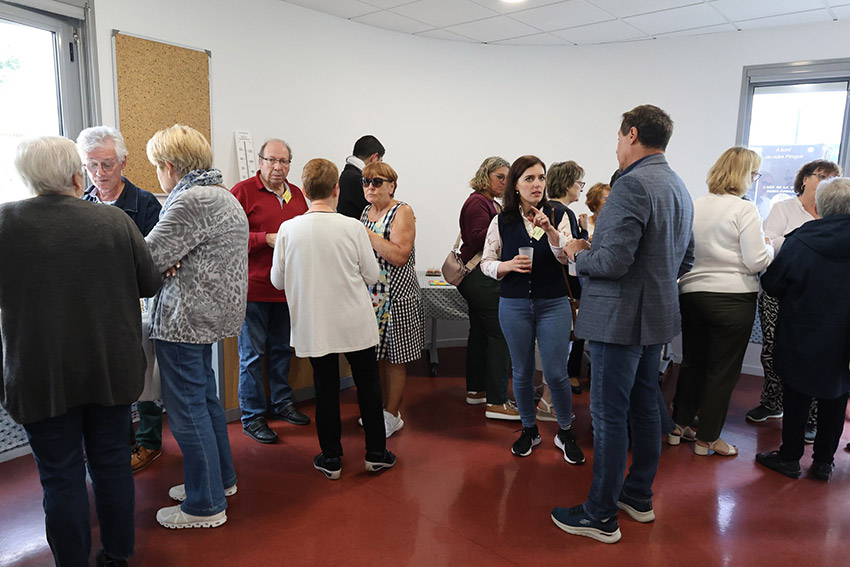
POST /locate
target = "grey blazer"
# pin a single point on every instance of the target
(642, 244)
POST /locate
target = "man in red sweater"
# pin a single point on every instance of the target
(269, 200)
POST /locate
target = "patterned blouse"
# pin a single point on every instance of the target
(206, 230)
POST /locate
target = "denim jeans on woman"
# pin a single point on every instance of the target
(57, 444)
(196, 419)
(547, 320)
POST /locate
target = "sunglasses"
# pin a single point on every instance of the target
(376, 182)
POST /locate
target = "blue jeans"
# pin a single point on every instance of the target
(265, 331)
(196, 420)
(548, 321)
(57, 445)
(624, 389)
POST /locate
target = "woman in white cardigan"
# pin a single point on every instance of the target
(324, 261)
(718, 300)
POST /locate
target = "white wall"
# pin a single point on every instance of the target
(441, 107)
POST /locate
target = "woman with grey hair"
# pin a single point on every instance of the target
(784, 217)
(488, 361)
(59, 306)
(810, 277)
(203, 229)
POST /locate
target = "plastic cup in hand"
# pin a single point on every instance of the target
(527, 251)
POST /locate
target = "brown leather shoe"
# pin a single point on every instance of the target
(142, 458)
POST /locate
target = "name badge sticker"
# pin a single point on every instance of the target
(537, 233)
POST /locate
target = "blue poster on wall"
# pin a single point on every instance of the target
(779, 167)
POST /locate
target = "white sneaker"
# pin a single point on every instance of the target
(173, 517)
(178, 492)
(392, 423)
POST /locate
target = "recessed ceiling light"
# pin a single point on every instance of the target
(513, 1)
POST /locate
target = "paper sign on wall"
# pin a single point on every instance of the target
(245, 154)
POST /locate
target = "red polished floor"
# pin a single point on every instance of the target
(458, 497)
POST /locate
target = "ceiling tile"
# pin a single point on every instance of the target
(838, 2)
(698, 16)
(563, 15)
(394, 22)
(722, 28)
(811, 17)
(536, 39)
(446, 35)
(505, 8)
(341, 8)
(623, 8)
(494, 29)
(444, 13)
(842, 12)
(604, 32)
(386, 4)
(736, 10)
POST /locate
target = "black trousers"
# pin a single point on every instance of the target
(715, 330)
(830, 425)
(364, 370)
(488, 361)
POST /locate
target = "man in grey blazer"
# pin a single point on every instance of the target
(629, 309)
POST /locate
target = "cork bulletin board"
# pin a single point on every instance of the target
(157, 85)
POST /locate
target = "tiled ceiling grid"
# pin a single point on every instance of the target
(576, 22)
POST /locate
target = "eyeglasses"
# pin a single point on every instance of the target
(105, 166)
(756, 176)
(581, 185)
(821, 176)
(376, 182)
(272, 161)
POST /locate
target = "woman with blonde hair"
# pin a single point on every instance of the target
(396, 297)
(488, 362)
(202, 229)
(718, 301)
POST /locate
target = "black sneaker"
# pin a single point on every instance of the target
(292, 415)
(760, 413)
(330, 466)
(821, 470)
(528, 439)
(566, 442)
(376, 462)
(103, 560)
(810, 434)
(639, 511)
(259, 430)
(576, 521)
(774, 462)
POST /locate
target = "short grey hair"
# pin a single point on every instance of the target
(99, 137)
(270, 140)
(833, 197)
(48, 164)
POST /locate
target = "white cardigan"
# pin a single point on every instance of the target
(730, 249)
(784, 217)
(325, 262)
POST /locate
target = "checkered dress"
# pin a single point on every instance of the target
(397, 300)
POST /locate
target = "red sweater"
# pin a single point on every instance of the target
(475, 217)
(265, 214)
